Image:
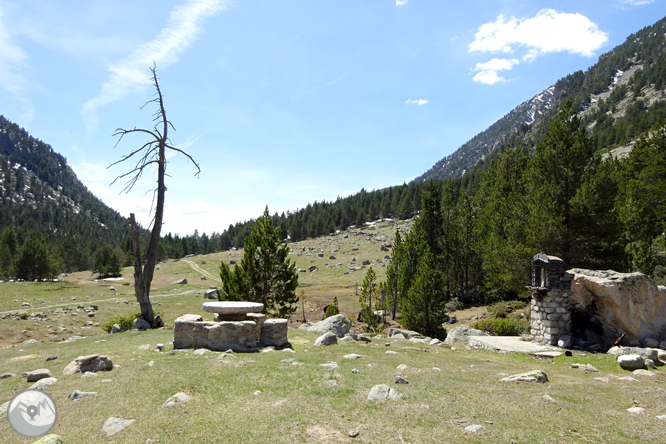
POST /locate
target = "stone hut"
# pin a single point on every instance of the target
(550, 308)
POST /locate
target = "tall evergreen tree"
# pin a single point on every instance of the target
(265, 274)
(560, 164)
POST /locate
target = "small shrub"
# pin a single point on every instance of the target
(503, 326)
(454, 305)
(124, 321)
(502, 309)
(332, 309)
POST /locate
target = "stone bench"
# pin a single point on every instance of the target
(236, 326)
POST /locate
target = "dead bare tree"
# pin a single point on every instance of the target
(150, 153)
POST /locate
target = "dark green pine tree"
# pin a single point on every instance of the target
(34, 261)
(560, 164)
(643, 200)
(423, 307)
(8, 248)
(106, 262)
(265, 274)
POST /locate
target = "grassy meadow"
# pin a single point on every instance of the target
(284, 397)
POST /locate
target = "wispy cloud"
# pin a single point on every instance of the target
(417, 102)
(401, 2)
(13, 61)
(130, 74)
(547, 32)
(488, 72)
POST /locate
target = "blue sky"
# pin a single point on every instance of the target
(286, 102)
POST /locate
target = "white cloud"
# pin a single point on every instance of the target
(131, 74)
(549, 31)
(13, 61)
(488, 71)
(400, 2)
(418, 102)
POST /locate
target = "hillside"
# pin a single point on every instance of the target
(618, 98)
(39, 193)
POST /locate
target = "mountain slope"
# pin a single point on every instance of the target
(40, 193)
(618, 98)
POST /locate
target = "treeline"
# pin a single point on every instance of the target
(474, 244)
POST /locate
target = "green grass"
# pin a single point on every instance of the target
(309, 404)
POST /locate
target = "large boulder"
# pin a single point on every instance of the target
(338, 325)
(606, 304)
(140, 324)
(631, 362)
(91, 363)
(462, 333)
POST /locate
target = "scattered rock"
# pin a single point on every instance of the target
(400, 380)
(382, 392)
(176, 399)
(116, 328)
(114, 425)
(649, 363)
(636, 410)
(144, 347)
(352, 356)
(631, 362)
(356, 371)
(210, 294)
(140, 324)
(90, 363)
(549, 399)
(474, 428)
(353, 433)
(645, 353)
(327, 338)
(434, 341)
(77, 395)
(641, 372)
(462, 333)
(602, 379)
(180, 282)
(338, 324)
(401, 368)
(391, 352)
(43, 383)
(36, 375)
(533, 376)
(7, 375)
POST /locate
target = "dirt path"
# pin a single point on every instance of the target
(198, 269)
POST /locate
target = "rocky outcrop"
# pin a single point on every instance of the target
(91, 363)
(338, 325)
(462, 333)
(606, 304)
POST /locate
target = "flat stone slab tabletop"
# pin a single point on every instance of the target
(233, 307)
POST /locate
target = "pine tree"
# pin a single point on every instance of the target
(560, 164)
(423, 307)
(265, 274)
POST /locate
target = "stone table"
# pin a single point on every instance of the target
(234, 310)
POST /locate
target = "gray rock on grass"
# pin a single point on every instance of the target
(328, 338)
(36, 375)
(114, 425)
(533, 376)
(462, 333)
(77, 395)
(631, 362)
(383, 392)
(43, 383)
(90, 363)
(140, 324)
(178, 398)
(338, 324)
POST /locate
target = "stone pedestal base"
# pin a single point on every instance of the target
(191, 331)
